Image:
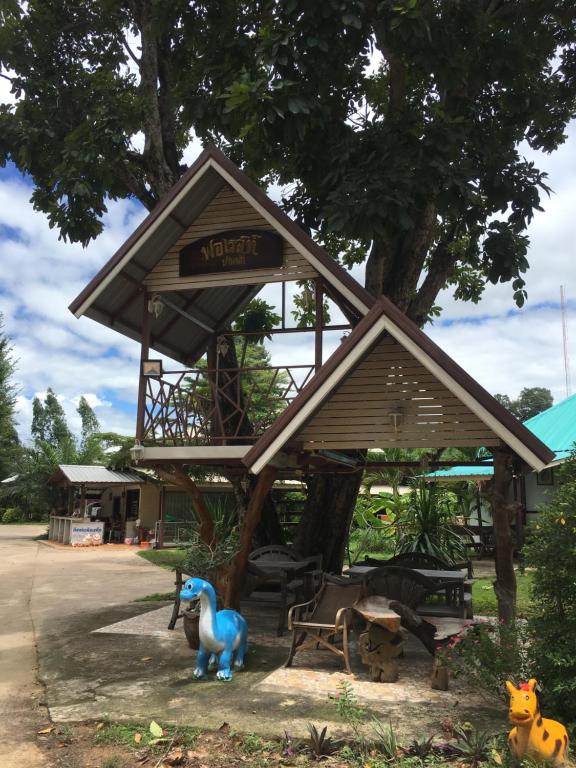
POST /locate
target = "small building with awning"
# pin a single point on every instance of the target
(107, 502)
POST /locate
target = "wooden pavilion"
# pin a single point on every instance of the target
(193, 266)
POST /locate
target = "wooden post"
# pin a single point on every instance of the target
(161, 520)
(144, 353)
(216, 426)
(253, 514)
(503, 512)
(319, 297)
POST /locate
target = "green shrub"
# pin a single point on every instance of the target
(487, 654)
(552, 623)
(11, 515)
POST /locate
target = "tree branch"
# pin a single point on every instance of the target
(129, 50)
(441, 262)
(135, 186)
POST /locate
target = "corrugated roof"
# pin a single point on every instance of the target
(87, 473)
(556, 427)
(462, 473)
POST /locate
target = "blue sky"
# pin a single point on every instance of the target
(504, 348)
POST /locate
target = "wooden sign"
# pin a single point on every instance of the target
(230, 251)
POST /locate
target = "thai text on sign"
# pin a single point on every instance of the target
(230, 251)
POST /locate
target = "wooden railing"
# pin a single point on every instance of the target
(217, 407)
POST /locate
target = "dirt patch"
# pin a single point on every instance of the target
(130, 745)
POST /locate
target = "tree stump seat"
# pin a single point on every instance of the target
(381, 643)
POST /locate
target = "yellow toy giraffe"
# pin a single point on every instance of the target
(534, 736)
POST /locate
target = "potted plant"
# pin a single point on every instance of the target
(206, 562)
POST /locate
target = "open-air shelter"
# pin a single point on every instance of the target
(192, 267)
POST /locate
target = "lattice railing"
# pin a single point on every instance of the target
(218, 407)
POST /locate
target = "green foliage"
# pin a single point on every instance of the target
(11, 515)
(49, 426)
(530, 402)
(203, 561)
(320, 743)
(424, 522)
(472, 746)
(55, 444)
(9, 442)
(488, 654)
(426, 145)
(368, 534)
(552, 624)
(385, 740)
(417, 158)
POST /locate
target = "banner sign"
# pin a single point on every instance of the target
(86, 534)
(230, 251)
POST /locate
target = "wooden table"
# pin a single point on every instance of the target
(458, 578)
(457, 575)
(287, 572)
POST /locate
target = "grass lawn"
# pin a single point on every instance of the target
(484, 599)
(165, 558)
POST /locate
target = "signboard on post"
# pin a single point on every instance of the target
(232, 251)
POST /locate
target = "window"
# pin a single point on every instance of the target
(546, 477)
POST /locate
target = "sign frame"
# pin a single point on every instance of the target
(233, 250)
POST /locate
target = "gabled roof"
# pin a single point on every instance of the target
(111, 297)
(91, 474)
(385, 318)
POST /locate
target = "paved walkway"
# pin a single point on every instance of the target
(67, 606)
(43, 589)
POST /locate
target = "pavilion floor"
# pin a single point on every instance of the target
(124, 662)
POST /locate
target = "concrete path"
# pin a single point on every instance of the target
(42, 589)
(53, 601)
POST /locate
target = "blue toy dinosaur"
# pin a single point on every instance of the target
(222, 633)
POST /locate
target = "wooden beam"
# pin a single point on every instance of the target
(188, 315)
(142, 381)
(173, 320)
(319, 318)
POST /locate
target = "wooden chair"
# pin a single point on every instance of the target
(420, 560)
(325, 618)
(268, 586)
(432, 563)
(413, 589)
(176, 613)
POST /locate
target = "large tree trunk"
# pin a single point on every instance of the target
(503, 514)
(326, 519)
(253, 514)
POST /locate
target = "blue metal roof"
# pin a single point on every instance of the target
(556, 427)
(463, 473)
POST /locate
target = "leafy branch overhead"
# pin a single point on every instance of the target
(397, 126)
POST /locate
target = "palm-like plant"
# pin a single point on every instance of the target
(423, 521)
